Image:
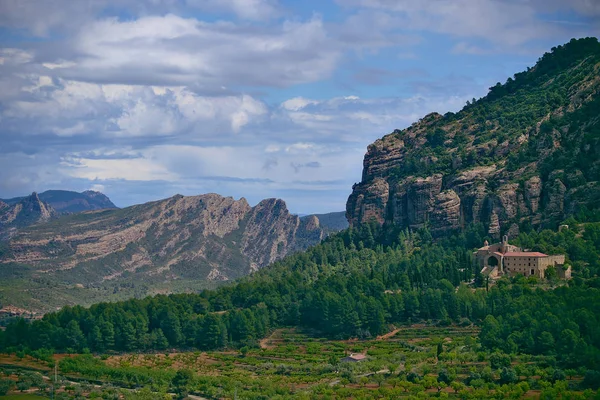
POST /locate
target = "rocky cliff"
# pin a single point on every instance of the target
(27, 211)
(207, 238)
(526, 154)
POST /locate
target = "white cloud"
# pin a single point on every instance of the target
(297, 103)
(98, 187)
(505, 24)
(172, 50)
(69, 107)
(136, 169)
(41, 17)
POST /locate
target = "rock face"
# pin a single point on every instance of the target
(207, 237)
(68, 202)
(28, 211)
(483, 166)
(330, 222)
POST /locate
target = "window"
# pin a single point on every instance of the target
(531, 271)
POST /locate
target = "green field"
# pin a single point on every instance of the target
(411, 362)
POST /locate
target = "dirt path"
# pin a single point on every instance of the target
(267, 343)
(389, 334)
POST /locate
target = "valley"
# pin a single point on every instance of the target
(412, 300)
(416, 361)
(175, 245)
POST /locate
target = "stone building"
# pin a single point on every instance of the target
(503, 258)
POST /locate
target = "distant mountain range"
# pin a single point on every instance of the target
(21, 212)
(331, 222)
(69, 202)
(177, 244)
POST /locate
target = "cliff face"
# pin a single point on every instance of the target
(206, 237)
(527, 153)
(28, 211)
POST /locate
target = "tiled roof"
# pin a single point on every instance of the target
(357, 356)
(525, 254)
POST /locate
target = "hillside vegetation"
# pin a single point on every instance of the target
(172, 245)
(525, 155)
(406, 259)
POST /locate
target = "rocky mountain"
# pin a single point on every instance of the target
(331, 222)
(68, 202)
(527, 154)
(27, 211)
(164, 246)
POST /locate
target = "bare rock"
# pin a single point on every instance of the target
(533, 191)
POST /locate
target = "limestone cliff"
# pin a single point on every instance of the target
(28, 211)
(527, 153)
(195, 238)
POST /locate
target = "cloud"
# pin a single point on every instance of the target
(42, 17)
(97, 188)
(270, 163)
(501, 23)
(69, 108)
(241, 97)
(248, 9)
(171, 50)
(311, 164)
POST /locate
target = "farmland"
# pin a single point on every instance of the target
(417, 361)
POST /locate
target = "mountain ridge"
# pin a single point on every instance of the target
(27, 211)
(525, 155)
(189, 240)
(67, 201)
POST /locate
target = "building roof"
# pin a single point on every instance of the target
(525, 254)
(357, 357)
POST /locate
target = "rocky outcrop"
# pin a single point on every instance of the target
(271, 232)
(28, 211)
(207, 237)
(447, 172)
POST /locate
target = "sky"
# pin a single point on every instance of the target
(146, 99)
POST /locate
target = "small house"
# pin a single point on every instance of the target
(354, 358)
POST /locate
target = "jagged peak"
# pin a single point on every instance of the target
(271, 203)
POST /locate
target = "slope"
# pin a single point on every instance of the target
(180, 243)
(526, 155)
(22, 213)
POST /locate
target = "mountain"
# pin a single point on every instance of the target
(174, 244)
(68, 202)
(331, 222)
(526, 155)
(27, 211)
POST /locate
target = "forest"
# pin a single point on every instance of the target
(355, 284)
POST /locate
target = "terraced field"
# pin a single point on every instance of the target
(420, 360)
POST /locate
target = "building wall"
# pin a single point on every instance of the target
(527, 266)
(563, 273)
(513, 265)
